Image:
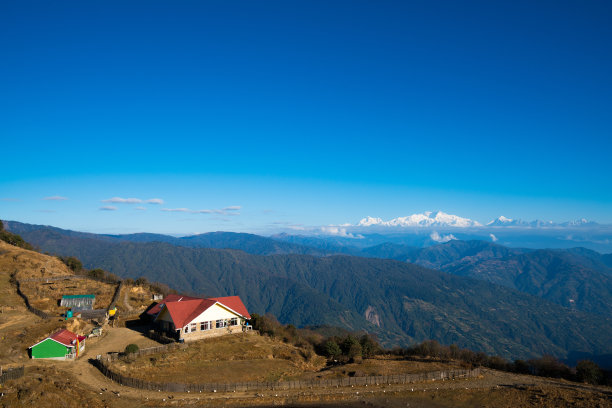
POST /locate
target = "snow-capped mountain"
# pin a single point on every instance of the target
(509, 222)
(426, 219)
(503, 221)
(582, 222)
(440, 219)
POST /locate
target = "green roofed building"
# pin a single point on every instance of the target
(62, 345)
(78, 302)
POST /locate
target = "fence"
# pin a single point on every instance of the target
(69, 277)
(143, 352)
(98, 314)
(116, 295)
(160, 338)
(31, 308)
(12, 374)
(283, 385)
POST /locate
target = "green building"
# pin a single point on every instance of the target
(62, 345)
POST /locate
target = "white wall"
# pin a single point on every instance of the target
(213, 313)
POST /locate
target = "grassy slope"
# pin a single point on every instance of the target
(16, 323)
(235, 358)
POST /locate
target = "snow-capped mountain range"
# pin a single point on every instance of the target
(426, 219)
(509, 222)
(442, 219)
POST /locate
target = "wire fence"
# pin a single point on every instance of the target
(103, 366)
(12, 374)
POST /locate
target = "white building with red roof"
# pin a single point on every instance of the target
(188, 318)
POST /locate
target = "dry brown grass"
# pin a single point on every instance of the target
(386, 365)
(19, 329)
(46, 296)
(231, 358)
(49, 387)
(138, 298)
(29, 264)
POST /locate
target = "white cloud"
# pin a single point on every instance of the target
(493, 238)
(108, 208)
(140, 208)
(340, 232)
(155, 201)
(123, 200)
(441, 238)
(206, 211)
(224, 211)
(55, 198)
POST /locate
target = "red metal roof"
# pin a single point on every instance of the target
(65, 337)
(234, 303)
(170, 298)
(183, 309)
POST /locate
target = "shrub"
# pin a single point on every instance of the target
(332, 349)
(369, 346)
(14, 239)
(589, 372)
(131, 349)
(142, 281)
(549, 366)
(97, 273)
(520, 367)
(73, 263)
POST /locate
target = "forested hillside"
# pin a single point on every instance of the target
(400, 302)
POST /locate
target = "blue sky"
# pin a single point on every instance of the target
(303, 113)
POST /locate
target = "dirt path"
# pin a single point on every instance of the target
(112, 340)
(126, 301)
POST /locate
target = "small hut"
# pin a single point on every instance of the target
(61, 345)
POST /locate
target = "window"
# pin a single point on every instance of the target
(186, 329)
(205, 326)
(194, 327)
(221, 324)
(234, 321)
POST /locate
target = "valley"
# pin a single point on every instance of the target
(76, 383)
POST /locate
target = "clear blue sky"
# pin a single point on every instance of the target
(314, 112)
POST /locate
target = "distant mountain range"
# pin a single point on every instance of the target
(426, 219)
(508, 301)
(509, 222)
(439, 219)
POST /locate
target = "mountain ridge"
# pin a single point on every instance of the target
(400, 302)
